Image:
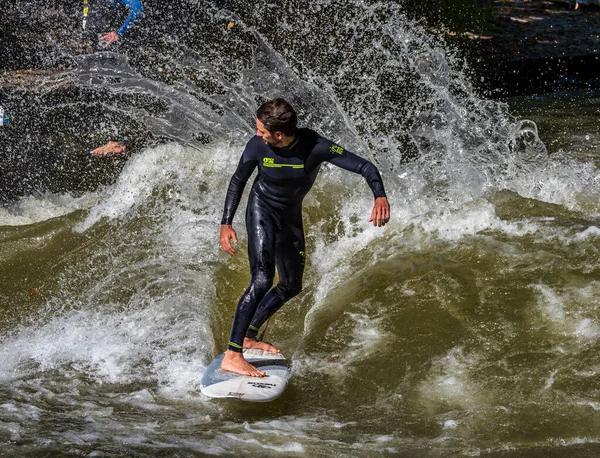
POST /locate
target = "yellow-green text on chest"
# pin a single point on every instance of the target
(270, 162)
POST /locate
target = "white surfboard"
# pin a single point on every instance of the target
(217, 383)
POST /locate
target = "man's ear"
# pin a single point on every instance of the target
(278, 135)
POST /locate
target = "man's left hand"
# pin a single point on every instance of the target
(108, 38)
(381, 212)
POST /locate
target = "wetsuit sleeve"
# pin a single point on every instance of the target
(339, 157)
(136, 11)
(237, 184)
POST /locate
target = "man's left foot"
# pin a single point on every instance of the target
(264, 346)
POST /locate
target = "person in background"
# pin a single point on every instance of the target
(100, 16)
(4, 121)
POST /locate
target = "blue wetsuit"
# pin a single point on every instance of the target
(101, 13)
(274, 219)
(136, 11)
(4, 121)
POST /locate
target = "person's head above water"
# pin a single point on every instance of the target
(278, 115)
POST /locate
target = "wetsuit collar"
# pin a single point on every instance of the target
(293, 143)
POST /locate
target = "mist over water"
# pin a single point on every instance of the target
(467, 326)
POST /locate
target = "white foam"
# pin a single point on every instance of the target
(143, 172)
(13, 430)
(467, 220)
(562, 181)
(450, 424)
(591, 232)
(564, 311)
(184, 177)
(366, 336)
(252, 444)
(303, 365)
(34, 209)
(450, 383)
(302, 428)
(119, 347)
(20, 412)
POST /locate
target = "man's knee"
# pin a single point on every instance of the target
(288, 290)
(262, 283)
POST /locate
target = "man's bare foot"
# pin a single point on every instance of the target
(235, 362)
(253, 343)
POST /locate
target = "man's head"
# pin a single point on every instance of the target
(276, 122)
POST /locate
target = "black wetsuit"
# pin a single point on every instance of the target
(274, 219)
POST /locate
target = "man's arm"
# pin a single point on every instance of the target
(136, 11)
(339, 157)
(235, 190)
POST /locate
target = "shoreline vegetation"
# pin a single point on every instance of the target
(539, 46)
(521, 47)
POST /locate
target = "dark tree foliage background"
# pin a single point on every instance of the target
(458, 16)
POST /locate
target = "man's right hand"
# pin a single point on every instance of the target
(108, 38)
(228, 234)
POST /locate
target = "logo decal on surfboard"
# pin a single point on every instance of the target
(262, 385)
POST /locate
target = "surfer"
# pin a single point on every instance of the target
(99, 16)
(288, 161)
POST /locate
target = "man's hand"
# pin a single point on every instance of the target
(227, 234)
(108, 38)
(110, 148)
(381, 212)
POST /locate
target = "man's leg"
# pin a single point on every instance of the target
(290, 254)
(261, 253)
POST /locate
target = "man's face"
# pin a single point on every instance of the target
(271, 139)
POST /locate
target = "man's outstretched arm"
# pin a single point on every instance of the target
(338, 156)
(136, 11)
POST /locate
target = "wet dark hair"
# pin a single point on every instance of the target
(278, 116)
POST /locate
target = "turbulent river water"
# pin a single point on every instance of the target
(468, 326)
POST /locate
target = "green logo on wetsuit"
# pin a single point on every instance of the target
(337, 149)
(270, 162)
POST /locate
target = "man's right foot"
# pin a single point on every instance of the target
(235, 362)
